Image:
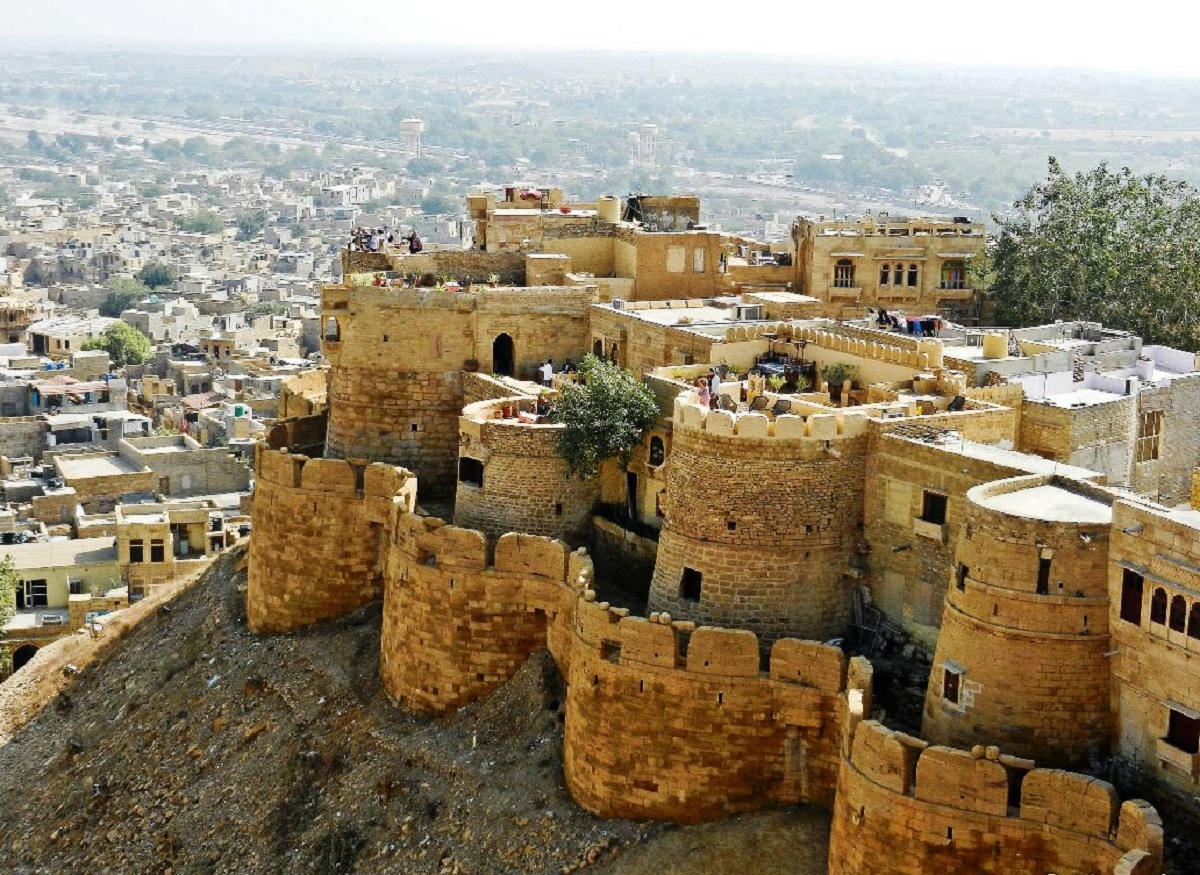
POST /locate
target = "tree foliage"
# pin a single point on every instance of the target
(8, 589)
(155, 274)
(251, 224)
(202, 222)
(124, 344)
(1111, 247)
(606, 414)
(123, 293)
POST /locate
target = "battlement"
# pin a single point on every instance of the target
(981, 809)
(350, 477)
(691, 416)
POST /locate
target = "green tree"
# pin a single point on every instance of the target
(202, 222)
(606, 414)
(1112, 247)
(8, 602)
(156, 274)
(250, 225)
(123, 293)
(124, 344)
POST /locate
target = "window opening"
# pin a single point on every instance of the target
(843, 274)
(1158, 606)
(933, 508)
(950, 685)
(1043, 578)
(1183, 731)
(470, 471)
(1149, 435)
(1178, 619)
(136, 552)
(690, 584)
(1132, 585)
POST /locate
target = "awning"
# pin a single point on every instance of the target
(68, 421)
(956, 255)
(46, 388)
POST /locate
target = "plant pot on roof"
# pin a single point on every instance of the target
(837, 375)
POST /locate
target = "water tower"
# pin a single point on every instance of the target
(411, 130)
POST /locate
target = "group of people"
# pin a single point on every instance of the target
(546, 371)
(709, 388)
(918, 326)
(371, 239)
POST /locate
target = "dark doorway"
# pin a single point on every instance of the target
(22, 655)
(502, 355)
(631, 489)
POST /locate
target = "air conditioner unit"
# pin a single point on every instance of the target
(750, 312)
(618, 303)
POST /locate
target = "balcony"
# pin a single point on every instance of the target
(841, 291)
(932, 531)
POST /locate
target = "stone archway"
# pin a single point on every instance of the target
(22, 655)
(503, 355)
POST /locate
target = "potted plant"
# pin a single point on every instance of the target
(493, 279)
(836, 375)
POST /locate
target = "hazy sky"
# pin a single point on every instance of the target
(1146, 36)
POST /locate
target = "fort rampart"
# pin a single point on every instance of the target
(905, 808)
(317, 523)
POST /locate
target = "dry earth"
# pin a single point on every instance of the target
(192, 747)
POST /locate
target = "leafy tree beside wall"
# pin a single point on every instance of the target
(1107, 246)
(124, 344)
(605, 415)
(123, 293)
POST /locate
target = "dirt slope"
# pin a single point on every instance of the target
(194, 747)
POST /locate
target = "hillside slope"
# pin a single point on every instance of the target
(195, 747)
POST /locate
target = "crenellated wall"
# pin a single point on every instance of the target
(317, 528)
(665, 720)
(761, 518)
(521, 483)
(1025, 628)
(904, 808)
(456, 626)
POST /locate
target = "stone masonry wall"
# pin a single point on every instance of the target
(766, 513)
(317, 530)
(526, 486)
(668, 721)
(1032, 672)
(455, 626)
(23, 436)
(904, 808)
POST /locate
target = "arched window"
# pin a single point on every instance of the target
(885, 272)
(598, 348)
(1194, 621)
(843, 274)
(1178, 614)
(333, 330)
(898, 276)
(912, 276)
(954, 275)
(1158, 606)
(658, 451)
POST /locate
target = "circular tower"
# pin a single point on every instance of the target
(511, 478)
(1020, 659)
(761, 518)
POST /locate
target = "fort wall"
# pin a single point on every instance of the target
(1031, 580)
(760, 519)
(905, 808)
(317, 530)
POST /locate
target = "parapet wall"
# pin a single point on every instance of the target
(317, 522)
(665, 720)
(904, 808)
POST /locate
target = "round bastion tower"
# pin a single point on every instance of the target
(761, 518)
(1020, 660)
(512, 479)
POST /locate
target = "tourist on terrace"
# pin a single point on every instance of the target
(548, 373)
(702, 389)
(714, 387)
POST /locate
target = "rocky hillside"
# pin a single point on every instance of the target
(194, 747)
